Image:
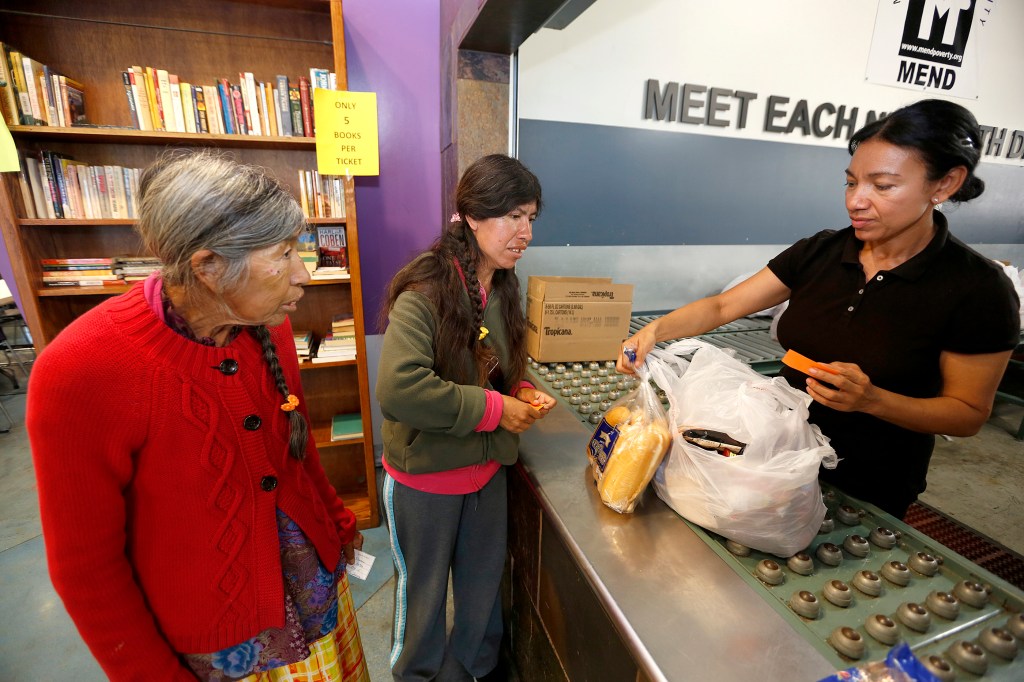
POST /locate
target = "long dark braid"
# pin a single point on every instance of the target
(482, 352)
(298, 428)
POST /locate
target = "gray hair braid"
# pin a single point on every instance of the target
(297, 426)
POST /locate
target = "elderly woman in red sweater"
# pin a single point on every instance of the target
(190, 529)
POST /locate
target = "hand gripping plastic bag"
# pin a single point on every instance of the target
(766, 498)
(628, 445)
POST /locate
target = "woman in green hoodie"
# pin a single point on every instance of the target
(451, 389)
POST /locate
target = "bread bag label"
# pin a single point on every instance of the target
(602, 443)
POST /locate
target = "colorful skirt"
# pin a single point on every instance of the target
(335, 657)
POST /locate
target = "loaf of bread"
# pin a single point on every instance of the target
(639, 449)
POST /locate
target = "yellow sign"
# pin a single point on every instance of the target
(346, 132)
(8, 154)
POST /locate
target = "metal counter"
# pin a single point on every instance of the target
(678, 610)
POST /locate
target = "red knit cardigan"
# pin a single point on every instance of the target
(159, 476)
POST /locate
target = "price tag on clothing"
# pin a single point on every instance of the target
(361, 568)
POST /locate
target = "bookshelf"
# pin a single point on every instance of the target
(203, 41)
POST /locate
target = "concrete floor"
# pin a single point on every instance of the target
(977, 480)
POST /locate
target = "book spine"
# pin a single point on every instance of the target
(60, 99)
(17, 71)
(129, 196)
(29, 210)
(155, 105)
(187, 107)
(307, 106)
(74, 191)
(214, 116)
(33, 92)
(85, 184)
(115, 206)
(66, 117)
(302, 194)
(199, 107)
(54, 111)
(163, 84)
(227, 109)
(252, 105)
(62, 186)
(238, 106)
(269, 121)
(295, 104)
(276, 101)
(141, 96)
(8, 96)
(177, 107)
(132, 108)
(284, 106)
(38, 195)
(51, 166)
(46, 97)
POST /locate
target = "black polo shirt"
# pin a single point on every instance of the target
(946, 298)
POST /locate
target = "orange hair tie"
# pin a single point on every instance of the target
(292, 403)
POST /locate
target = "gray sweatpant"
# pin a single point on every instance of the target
(432, 535)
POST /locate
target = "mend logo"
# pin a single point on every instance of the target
(937, 30)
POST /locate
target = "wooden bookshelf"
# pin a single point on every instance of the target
(201, 41)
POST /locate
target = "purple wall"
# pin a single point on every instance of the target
(393, 49)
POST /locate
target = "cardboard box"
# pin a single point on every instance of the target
(576, 318)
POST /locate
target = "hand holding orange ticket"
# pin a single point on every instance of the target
(802, 363)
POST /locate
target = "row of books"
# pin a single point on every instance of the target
(321, 196)
(89, 272)
(331, 348)
(54, 185)
(32, 93)
(158, 100)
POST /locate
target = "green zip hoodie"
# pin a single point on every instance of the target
(429, 422)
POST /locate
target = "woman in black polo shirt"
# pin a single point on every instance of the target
(916, 326)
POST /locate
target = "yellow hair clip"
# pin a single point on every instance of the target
(292, 403)
(483, 332)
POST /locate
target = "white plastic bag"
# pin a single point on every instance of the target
(768, 497)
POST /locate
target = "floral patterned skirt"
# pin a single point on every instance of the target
(319, 641)
(335, 657)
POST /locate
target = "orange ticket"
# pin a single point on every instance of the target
(802, 363)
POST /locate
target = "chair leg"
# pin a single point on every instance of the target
(7, 416)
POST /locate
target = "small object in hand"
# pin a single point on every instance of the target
(802, 363)
(722, 443)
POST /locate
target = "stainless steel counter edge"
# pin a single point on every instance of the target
(680, 610)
